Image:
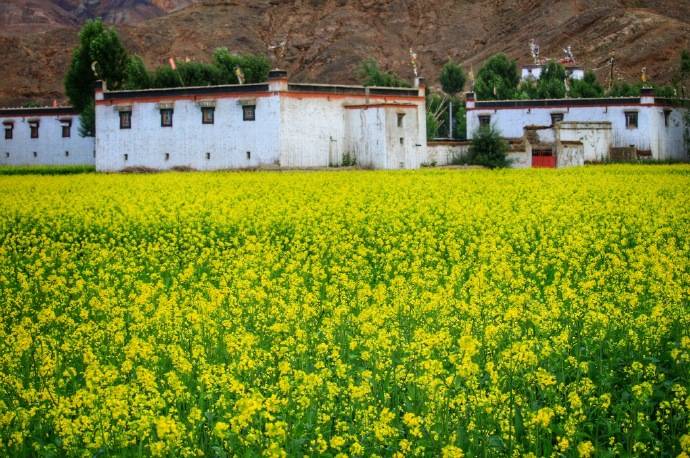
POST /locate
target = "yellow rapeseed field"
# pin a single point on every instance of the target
(429, 313)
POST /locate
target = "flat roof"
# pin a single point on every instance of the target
(261, 87)
(37, 111)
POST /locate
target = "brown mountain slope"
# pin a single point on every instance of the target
(326, 39)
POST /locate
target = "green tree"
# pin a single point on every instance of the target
(550, 85)
(254, 67)
(99, 55)
(488, 148)
(588, 87)
(136, 74)
(370, 74)
(498, 79)
(452, 81)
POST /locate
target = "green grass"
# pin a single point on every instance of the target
(46, 169)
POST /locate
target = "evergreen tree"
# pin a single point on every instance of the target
(498, 79)
(99, 56)
(452, 81)
(588, 87)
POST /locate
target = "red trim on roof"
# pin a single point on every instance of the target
(168, 98)
(380, 105)
(551, 107)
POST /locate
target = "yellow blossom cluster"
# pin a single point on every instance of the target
(413, 313)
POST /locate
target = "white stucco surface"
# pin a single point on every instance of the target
(651, 134)
(50, 148)
(296, 126)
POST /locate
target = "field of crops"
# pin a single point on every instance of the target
(429, 313)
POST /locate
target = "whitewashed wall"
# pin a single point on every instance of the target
(664, 143)
(296, 126)
(410, 153)
(443, 152)
(570, 154)
(365, 136)
(188, 141)
(596, 137)
(50, 147)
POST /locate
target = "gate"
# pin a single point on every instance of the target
(543, 158)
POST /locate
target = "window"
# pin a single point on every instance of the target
(208, 155)
(125, 120)
(401, 116)
(249, 112)
(166, 117)
(126, 157)
(167, 156)
(667, 117)
(249, 155)
(207, 115)
(34, 128)
(556, 118)
(631, 119)
(8, 131)
(35, 154)
(66, 153)
(402, 141)
(66, 128)
(484, 120)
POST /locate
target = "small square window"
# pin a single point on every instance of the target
(249, 112)
(34, 128)
(556, 118)
(166, 117)
(401, 117)
(208, 115)
(125, 120)
(631, 119)
(8, 131)
(484, 120)
(7, 155)
(66, 129)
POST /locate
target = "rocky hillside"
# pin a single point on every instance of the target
(326, 39)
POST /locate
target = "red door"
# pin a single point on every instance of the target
(543, 158)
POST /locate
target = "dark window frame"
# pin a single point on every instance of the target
(125, 120)
(9, 131)
(557, 117)
(169, 122)
(34, 127)
(484, 120)
(205, 111)
(66, 129)
(632, 120)
(248, 112)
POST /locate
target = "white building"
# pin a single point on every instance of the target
(43, 136)
(652, 127)
(276, 123)
(534, 71)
